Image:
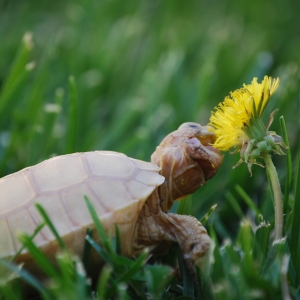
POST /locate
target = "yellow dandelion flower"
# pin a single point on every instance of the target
(234, 117)
(237, 123)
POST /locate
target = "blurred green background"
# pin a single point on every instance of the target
(141, 68)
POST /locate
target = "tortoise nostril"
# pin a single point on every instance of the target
(190, 125)
(193, 126)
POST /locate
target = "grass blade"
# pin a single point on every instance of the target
(294, 239)
(99, 227)
(157, 278)
(247, 200)
(37, 230)
(118, 240)
(32, 281)
(53, 112)
(289, 168)
(188, 285)
(18, 71)
(208, 214)
(138, 264)
(87, 249)
(99, 250)
(40, 258)
(234, 204)
(217, 268)
(103, 282)
(185, 206)
(261, 241)
(73, 116)
(50, 225)
(245, 241)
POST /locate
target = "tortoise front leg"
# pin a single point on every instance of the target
(155, 227)
(191, 236)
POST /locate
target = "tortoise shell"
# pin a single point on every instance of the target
(116, 185)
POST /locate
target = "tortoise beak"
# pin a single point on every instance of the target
(207, 139)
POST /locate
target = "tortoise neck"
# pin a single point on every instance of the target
(152, 226)
(165, 197)
(168, 191)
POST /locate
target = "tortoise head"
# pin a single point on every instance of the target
(187, 160)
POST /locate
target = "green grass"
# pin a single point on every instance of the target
(109, 75)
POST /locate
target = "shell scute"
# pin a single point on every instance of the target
(17, 191)
(56, 211)
(110, 164)
(59, 172)
(149, 178)
(16, 225)
(7, 248)
(76, 208)
(112, 193)
(147, 165)
(139, 190)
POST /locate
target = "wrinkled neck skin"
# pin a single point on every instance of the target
(187, 160)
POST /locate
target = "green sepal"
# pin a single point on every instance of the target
(262, 146)
(255, 153)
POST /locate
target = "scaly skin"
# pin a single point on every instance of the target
(187, 161)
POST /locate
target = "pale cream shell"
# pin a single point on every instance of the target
(117, 186)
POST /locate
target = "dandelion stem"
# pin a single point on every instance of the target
(275, 186)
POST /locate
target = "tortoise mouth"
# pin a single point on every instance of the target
(213, 149)
(215, 156)
(208, 140)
